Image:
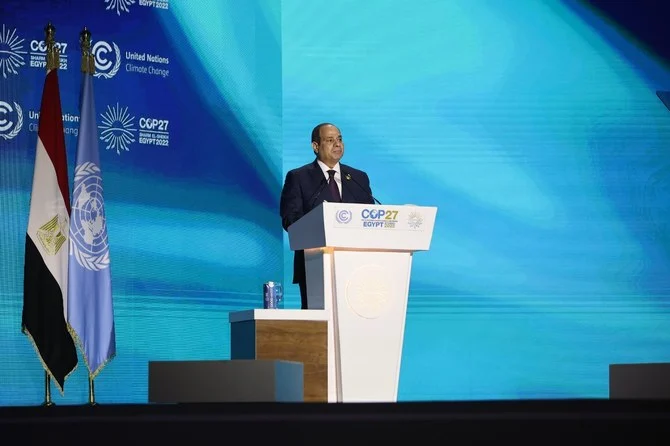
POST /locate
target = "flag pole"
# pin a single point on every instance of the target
(47, 390)
(53, 63)
(87, 67)
(91, 391)
(87, 60)
(53, 53)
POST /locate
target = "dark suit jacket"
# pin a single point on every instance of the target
(298, 198)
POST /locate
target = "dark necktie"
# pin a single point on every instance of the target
(332, 184)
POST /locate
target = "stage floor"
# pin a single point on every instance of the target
(481, 422)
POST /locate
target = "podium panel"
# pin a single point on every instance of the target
(364, 226)
(358, 260)
(369, 321)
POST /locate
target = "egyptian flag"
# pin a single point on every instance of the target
(46, 257)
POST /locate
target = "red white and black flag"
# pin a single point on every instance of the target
(46, 257)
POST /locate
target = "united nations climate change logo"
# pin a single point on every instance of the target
(117, 129)
(104, 67)
(88, 239)
(11, 120)
(343, 216)
(11, 52)
(119, 5)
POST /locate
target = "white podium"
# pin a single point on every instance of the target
(358, 260)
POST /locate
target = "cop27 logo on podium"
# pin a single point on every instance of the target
(11, 120)
(12, 55)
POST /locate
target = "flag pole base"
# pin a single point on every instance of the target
(91, 392)
(47, 391)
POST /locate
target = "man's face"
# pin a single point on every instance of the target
(331, 148)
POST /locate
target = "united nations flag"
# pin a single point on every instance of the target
(90, 312)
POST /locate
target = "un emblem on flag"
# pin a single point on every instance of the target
(88, 226)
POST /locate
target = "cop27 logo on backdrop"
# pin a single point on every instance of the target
(11, 52)
(119, 5)
(117, 128)
(122, 5)
(104, 67)
(38, 54)
(11, 120)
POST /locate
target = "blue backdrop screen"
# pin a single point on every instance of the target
(534, 127)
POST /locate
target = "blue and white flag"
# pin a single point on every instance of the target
(90, 313)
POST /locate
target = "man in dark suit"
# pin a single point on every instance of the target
(324, 179)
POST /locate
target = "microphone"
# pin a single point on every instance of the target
(322, 186)
(348, 177)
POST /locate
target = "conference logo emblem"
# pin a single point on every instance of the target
(70, 122)
(117, 128)
(154, 131)
(119, 5)
(343, 216)
(107, 56)
(38, 54)
(379, 218)
(12, 55)
(88, 236)
(107, 59)
(415, 220)
(11, 120)
(123, 5)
